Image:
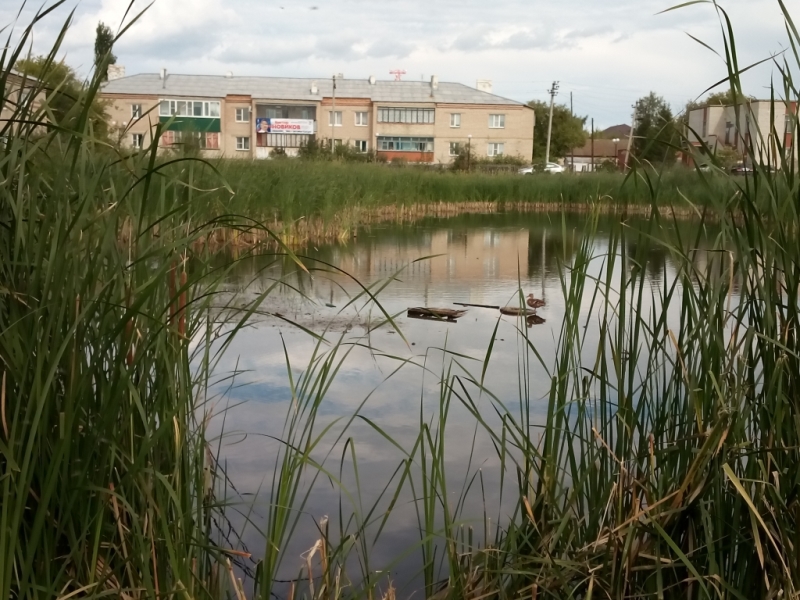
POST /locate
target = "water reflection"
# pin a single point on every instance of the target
(486, 259)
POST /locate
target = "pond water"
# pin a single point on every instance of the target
(392, 379)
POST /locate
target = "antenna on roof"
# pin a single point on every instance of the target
(398, 74)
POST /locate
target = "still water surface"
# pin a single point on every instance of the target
(477, 259)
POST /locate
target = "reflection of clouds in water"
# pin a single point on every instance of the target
(398, 402)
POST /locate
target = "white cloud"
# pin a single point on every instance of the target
(607, 54)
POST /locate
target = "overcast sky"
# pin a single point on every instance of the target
(607, 53)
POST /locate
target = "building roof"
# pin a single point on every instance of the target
(602, 148)
(615, 131)
(22, 75)
(286, 88)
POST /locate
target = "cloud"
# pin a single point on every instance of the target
(605, 51)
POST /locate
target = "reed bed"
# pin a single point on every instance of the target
(108, 487)
(287, 190)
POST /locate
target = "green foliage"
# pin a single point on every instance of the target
(656, 134)
(321, 151)
(103, 46)
(567, 132)
(66, 95)
(724, 98)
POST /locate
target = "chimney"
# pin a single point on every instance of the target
(484, 85)
(229, 75)
(434, 82)
(314, 88)
(116, 72)
(163, 77)
(372, 79)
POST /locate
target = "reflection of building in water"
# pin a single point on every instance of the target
(455, 255)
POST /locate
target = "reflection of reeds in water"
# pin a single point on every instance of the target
(344, 226)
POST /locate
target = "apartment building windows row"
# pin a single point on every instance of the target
(282, 140)
(405, 144)
(205, 140)
(406, 115)
(189, 108)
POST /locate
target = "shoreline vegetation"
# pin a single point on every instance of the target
(311, 202)
(666, 466)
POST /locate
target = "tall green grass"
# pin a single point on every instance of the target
(107, 484)
(292, 189)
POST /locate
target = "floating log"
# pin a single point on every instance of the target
(516, 311)
(439, 314)
(477, 305)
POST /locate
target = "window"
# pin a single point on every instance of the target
(455, 119)
(243, 115)
(496, 149)
(137, 140)
(171, 138)
(282, 140)
(136, 111)
(207, 140)
(362, 119)
(405, 144)
(305, 113)
(189, 108)
(361, 145)
(455, 148)
(405, 115)
(243, 143)
(497, 121)
(337, 116)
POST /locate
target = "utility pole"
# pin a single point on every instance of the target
(630, 137)
(552, 91)
(333, 112)
(592, 163)
(572, 153)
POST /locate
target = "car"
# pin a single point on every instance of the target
(741, 169)
(550, 167)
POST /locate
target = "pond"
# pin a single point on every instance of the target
(390, 375)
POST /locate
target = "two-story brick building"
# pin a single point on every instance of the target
(251, 117)
(759, 130)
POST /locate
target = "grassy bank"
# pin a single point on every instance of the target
(291, 189)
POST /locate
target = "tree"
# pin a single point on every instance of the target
(656, 134)
(567, 130)
(724, 98)
(103, 46)
(65, 94)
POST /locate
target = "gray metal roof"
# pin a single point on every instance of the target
(285, 88)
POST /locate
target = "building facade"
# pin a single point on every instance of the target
(252, 117)
(762, 131)
(14, 105)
